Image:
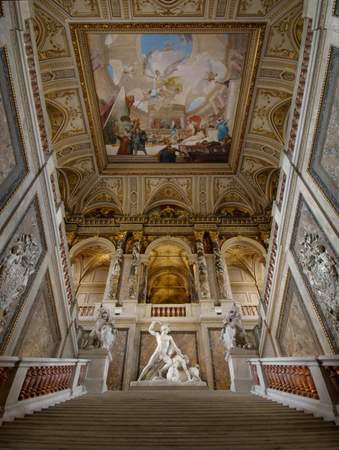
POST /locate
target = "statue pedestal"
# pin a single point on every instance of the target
(166, 385)
(241, 378)
(97, 370)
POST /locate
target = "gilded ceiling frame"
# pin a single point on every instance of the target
(80, 44)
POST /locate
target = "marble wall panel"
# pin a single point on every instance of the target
(221, 374)
(324, 164)
(318, 264)
(116, 369)
(295, 332)
(41, 336)
(13, 167)
(185, 340)
(20, 260)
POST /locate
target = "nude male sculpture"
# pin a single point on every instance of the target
(166, 347)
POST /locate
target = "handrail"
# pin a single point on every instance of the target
(307, 383)
(29, 384)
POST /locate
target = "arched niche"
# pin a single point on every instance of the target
(245, 259)
(169, 273)
(90, 259)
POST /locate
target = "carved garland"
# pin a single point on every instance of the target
(300, 89)
(65, 265)
(271, 266)
(36, 92)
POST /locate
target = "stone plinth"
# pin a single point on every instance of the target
(241, 378)
(95, 381)
(166, 385)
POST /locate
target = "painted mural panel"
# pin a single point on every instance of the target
(325, 154)
(167, 97)
(318, 264)
(116, 369)
(221, 374)
(185, 340)
(41, 336)
(12, 154)
(19, 263)
(169, 93)
(295, 333)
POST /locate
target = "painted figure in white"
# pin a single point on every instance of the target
(163, 352)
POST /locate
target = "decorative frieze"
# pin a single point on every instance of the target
(271, 265)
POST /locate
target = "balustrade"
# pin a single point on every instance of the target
(168, 311)
(311, 384)
(28, 384)
(249, 310)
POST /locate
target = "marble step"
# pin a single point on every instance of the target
(136, 420)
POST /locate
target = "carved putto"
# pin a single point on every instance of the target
(233, 333)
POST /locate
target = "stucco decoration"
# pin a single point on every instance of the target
(79, 8)
(255, 8)
(285, 35)
(19, 263)
(41, 336)
(318, 264)
(325, 154)
(269, 113)
(66, 104)
(296, 335)
(50, 36)
(169, 8)
(13, 167)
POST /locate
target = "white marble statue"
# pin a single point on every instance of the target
(167, 359)
(178, 371)
(233, 333)
(195, 373)
(103, 335)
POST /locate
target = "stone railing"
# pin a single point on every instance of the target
(168, 311)
(87, 310)
(29, 384)
(310, 384)
(249, 310)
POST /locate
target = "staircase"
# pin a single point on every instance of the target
(169, 420)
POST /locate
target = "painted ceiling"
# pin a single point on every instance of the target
(93, 183)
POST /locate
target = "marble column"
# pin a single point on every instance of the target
(220, 268)
(114, 273)
(144, 281)
(205, 292)
(134, 270)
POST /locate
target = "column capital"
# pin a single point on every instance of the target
(137, 235)
(214, 236)
(198, 235)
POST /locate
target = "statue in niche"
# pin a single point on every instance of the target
(133, 276)
(233, 333)
(202, 267)
(168, 360)
(116, 269)
(220, 270)
(320, 269)
(16, 269)
(103, 335)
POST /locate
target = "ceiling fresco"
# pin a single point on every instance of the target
(211, 82)
(167, 97)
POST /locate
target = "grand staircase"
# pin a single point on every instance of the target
(169, 420)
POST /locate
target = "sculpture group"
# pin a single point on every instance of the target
(103, 335)
(233, 333)
(168, 363)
